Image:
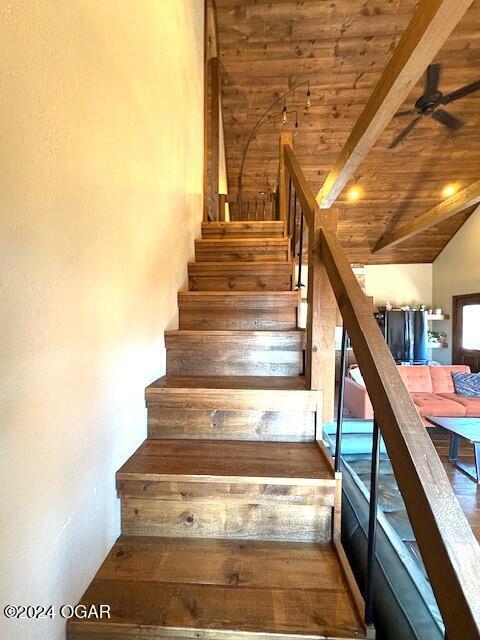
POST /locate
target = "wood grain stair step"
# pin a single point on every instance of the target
(268, 353)
(233, 408)
(246, 384)
(239, 229)
(219, 590)
(244, 250)
(240, 276)
(237, 462)
(232, 310)
(228, 489)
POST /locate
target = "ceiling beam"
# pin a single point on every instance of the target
(460, 201)
(430, 26)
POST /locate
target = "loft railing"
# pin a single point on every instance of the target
(449, 550)
(257, 207)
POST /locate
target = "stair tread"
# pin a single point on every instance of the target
(200, 460)
(258, 383)
(222, 586)
(254, 228)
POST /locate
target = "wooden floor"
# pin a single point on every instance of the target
(467, 492)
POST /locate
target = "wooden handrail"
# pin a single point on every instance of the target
(319, 357)
(449, 549)
(307, 199)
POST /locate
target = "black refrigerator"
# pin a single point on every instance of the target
(405, 333)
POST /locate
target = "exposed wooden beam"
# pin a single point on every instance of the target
(430, 26)
(460, 201)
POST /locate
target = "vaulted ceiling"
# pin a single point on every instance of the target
(341, 47)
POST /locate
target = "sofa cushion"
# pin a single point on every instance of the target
(442, 381)
(417, 379)
(432, 405)
(467, 384)
(357, 400)
(472, 405)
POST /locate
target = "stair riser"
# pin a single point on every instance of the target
(241, 255)
(215, 319)
(241, 251)
(243, 230)
(234, 362)
(241, 283)
(228, 414)
(241, 276)
(235, 399)
(208, 424)
(233, 493)
(226, 517)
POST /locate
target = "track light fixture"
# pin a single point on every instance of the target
(266, 117)
(308, 103)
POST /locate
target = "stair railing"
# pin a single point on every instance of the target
(449, 549)
(256, 208)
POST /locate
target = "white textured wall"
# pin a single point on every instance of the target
(100, 198)
(456, 271)
(400, 284)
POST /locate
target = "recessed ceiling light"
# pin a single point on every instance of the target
(449, 190)
(355, 193)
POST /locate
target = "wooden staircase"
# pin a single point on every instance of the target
(230, 510)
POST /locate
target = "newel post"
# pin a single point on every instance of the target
(286, 138)
(211, 142)
(321, 315)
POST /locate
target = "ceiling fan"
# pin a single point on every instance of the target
(429, 104)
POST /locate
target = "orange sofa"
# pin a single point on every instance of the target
(431, 389)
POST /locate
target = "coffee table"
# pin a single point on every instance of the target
(466, 429)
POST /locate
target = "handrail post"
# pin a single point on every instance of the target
(300, 254)
(372, 526)
(321, 314)
(341, 392)
(222, 200)
(286, 138)
(211, 143)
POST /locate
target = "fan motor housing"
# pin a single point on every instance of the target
(428, 104)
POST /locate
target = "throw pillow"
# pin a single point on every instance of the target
(356, 375)
(467, 384)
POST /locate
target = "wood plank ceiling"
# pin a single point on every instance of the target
(342, 46)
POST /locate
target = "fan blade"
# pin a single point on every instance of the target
(404, 133)
(432, 78)
(447, 119)
(461, 93)
(408, 112)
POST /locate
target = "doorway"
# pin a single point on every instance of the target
(466, 330)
